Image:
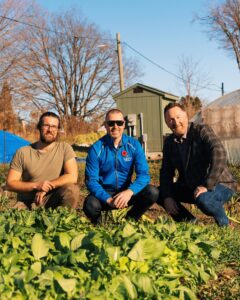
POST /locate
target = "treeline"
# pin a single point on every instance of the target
(58, 62)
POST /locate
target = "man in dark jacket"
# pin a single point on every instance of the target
(203, 177)
(109, 169)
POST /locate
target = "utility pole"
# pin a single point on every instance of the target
(120, 65)
(222, 88)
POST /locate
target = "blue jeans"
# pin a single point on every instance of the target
(211, 203)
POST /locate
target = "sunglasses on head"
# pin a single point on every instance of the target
(113, 122)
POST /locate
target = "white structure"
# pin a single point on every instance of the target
(223, 115)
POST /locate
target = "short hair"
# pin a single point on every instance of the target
(173, 104)
(113, 111)
(48, 114)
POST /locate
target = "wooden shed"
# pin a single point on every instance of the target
(143, 108)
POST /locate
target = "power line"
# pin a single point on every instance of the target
(50, 30)
(165, 70)
(108, 39)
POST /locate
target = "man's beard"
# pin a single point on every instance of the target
(48, 139)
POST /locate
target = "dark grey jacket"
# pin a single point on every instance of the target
(205, 163)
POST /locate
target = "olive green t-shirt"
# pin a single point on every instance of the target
(39, 166)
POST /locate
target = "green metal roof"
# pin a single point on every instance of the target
(150, 89)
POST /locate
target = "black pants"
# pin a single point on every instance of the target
(174, 208)
(139, 202)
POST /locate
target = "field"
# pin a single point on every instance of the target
(60, 255)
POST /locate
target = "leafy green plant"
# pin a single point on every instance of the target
(57, 254)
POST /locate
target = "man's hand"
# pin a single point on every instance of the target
(199, 190)
(44, 186)
(39, 198)
(121, 199)
(171, 206)
(110, 202)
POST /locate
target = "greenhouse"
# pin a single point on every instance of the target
(223, 115)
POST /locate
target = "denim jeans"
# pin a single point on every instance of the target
(211, 203)
(140, 202)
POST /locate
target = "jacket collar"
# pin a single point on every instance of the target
(109, 141)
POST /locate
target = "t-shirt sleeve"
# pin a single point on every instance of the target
(17, 161)
(68, 153)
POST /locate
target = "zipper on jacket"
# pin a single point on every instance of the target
(116, 168)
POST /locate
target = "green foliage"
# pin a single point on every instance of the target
(88, 138)
(227, 285)
(57, 254)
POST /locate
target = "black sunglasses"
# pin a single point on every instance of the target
(112, 123)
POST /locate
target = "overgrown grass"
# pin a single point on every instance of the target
(227, 285)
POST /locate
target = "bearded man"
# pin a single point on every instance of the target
(45, 173)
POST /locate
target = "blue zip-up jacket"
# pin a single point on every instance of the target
(110, 170)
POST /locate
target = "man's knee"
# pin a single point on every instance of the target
(70, 194)
(151, 193)
(91, 206)
(206, 204)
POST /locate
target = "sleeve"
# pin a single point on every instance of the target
(167, 172)
(17, 161)
(92, 177)
(217, 156)
(141, 169)
(68, 152)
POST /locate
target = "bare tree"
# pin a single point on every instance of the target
(191, 77)
(191, 80)
(7, 116)
(73, 67)
(13, 16)
(223, 22)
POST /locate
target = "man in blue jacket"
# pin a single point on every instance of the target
(109, 168)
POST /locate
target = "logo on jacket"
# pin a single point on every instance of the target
(124, 153)
(125, 156)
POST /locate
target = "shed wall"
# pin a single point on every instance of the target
(150, 107)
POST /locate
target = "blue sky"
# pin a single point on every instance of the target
(163, 31)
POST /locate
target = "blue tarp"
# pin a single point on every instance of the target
(9, 143)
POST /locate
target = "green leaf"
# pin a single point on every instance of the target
(69, 219)
(79, 256)
(68, 285)
(113, 253)
(123, 286)
(144, 283)
(39, 246)
(77, 241)
(186, 293)
(64, 239)
(46, 278)
(204, 276)
(47, 222)
(119, 214)
(146, 249)
(193, 248)
(37, 267)
(16, 242)
(10, 259)
(128, 230)
(215, 253)
(30, 219)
